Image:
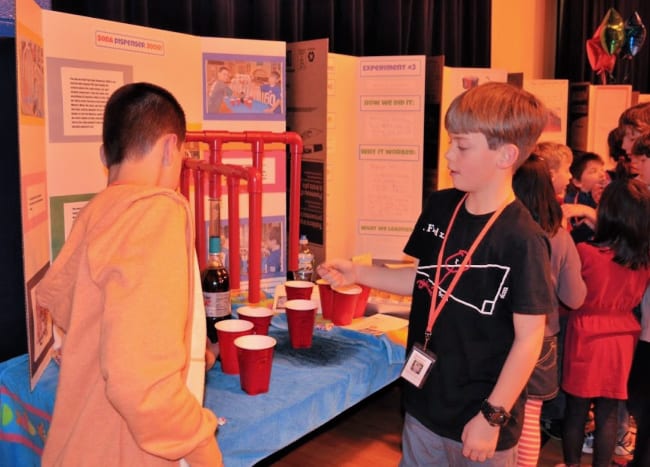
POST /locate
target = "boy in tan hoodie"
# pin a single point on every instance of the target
(124, 290)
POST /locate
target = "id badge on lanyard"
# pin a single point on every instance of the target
(421, 360)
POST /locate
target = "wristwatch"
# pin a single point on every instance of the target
(495, 416)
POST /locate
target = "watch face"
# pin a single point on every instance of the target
(494, 415)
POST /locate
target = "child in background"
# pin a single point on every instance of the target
(602, 333)
(632, 123)
(484, 319)
(533, 186)
(638, 384)
(617, 155)
(558, 158)
(588, 179)
(640, 158)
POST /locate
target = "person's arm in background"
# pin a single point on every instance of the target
(585, 213)
(570, 288)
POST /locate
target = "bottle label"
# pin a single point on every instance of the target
(217, 304)
(305, 261)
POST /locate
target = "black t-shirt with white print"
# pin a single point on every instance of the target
(508, 273)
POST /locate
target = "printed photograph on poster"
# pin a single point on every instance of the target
(39, 328)
(243, 87)
(32, 85)
(273, 247)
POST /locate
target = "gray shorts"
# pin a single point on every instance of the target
(422, 447)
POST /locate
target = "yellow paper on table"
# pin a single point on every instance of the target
(378, 324)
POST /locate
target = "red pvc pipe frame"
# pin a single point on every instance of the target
(253, 175)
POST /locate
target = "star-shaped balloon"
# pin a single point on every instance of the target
(601, 62)
(612, 33)
(635, 34)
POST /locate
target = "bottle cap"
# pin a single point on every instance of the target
(214, 245)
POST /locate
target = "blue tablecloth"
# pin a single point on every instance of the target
(308, 388)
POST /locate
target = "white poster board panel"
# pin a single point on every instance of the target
(554, 93)
(390, 146)
(33, 180)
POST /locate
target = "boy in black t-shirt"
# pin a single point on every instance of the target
(480, 253)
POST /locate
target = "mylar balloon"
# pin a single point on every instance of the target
(612, 34)
(601, 62)
(635, 34)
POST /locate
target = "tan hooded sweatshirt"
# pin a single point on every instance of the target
(123, 291)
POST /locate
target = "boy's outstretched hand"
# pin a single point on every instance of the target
(338, 272)
(479, 439)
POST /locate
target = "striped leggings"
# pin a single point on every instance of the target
(530, 441)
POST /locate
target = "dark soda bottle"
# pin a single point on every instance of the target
(215, 283)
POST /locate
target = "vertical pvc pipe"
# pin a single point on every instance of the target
(233, 233)
(254, 234)
(199, 213)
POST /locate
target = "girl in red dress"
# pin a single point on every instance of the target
(602, 333)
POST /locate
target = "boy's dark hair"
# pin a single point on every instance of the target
(637, 116)
(642, 145)
(615, 144)
(533, 186)
(503, 113)
(580, 162)
(623, 222)
(135, 117)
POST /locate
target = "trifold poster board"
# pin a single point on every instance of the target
(554, 93)
(362, 123)
(68, 66)
(593, 113)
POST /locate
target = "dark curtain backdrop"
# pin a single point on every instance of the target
(578, 20)
(459, 29)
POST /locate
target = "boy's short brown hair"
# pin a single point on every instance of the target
(553, 153)
(503, 113)
(637, 116)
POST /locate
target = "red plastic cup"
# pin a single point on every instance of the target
(258, 315)
(227, 331)
(255, 357)
(297, 290)
(362, 301)
(326, 296)
(301, 316)
(344, 304)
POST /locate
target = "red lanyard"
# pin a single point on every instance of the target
(435, 309)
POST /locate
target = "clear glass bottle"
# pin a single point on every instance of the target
(305, 270)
